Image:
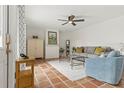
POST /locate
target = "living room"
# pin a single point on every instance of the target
(62, 46)
(101, 26)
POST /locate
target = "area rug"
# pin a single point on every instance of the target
(64, 67)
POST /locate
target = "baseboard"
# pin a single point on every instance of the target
(49, 59)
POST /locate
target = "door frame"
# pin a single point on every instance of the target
(13, 30)
(10, 24)
(13, 26)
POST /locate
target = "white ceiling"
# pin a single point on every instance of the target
(45, 16)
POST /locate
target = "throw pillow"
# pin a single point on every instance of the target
(114, 54)
(108, 49)
(79, 50)
(99, 50)
(82, 49)
(90, 50)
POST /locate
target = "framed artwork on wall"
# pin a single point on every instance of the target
(52, 38)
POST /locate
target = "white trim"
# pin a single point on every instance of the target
(2, 49)
(2, 26)
(13, 55)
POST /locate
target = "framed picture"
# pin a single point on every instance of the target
(52, 38)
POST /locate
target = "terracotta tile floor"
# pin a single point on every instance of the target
(48, 77)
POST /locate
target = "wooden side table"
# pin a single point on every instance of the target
(25, 73)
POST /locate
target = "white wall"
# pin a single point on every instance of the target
(35, 30)
(51, 51)
(107, 33)
(63, 37)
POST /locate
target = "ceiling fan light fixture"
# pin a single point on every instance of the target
(70, 22)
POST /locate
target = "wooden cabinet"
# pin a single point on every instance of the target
(35, 48)
(25, 73)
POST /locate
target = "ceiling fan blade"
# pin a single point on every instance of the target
(70, 18)
(73, 24)
(79, 20)
(65, 23)
(62, 20)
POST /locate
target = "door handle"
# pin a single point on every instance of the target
(8, 39)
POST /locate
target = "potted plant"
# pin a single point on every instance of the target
(61, 50)
(73, 49)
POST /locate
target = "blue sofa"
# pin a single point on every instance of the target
(107, 69)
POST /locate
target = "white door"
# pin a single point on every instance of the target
(3, 55)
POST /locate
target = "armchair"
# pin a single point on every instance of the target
(107, 69)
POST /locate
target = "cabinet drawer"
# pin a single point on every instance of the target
(25, 82)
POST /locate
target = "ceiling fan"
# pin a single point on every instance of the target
(71, 19)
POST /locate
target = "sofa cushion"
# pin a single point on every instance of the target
(99, 50)
(76, 54)
(114, 54)
(91, 55)
(83, 54)
(90, 50)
